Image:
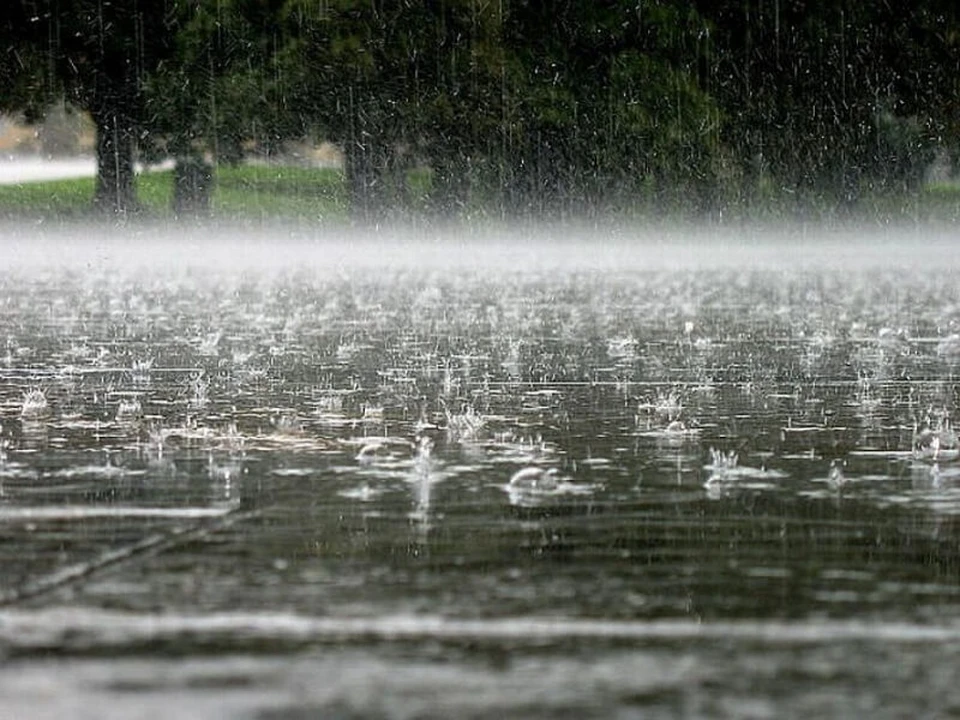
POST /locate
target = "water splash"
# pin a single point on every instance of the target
(836, 480)
(34, 406)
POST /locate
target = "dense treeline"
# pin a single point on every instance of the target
(511, 106)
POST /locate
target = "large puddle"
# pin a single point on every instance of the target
(710, 478)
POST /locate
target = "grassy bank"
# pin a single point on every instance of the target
(309, 195)
(248, 192)
(293, 193)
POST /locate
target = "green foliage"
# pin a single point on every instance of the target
(836, 99)
(96, 55)
(605, 105)
(516, 107)
(396, 85)
(218, 94)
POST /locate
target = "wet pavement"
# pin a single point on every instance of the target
(310, 477)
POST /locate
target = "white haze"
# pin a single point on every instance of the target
(544, 248)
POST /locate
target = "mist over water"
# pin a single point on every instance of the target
(224, 248)
(696, 473)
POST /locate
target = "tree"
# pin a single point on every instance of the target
(21, 66)
(219, 94)
(353, 77)
(398, 85)
(95, 53)
(549, 108)
(604, 104)
(830, 100)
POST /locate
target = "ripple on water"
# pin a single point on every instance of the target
(303, 395)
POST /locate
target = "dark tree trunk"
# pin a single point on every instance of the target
(116, 135)
(192, 186)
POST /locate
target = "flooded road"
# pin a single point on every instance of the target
(639, 478)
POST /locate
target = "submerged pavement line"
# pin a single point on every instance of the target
(85, 630)
(146, 547)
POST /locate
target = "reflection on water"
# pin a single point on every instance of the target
(339, 453)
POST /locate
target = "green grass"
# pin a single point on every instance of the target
(252, 191)
(247, 192)
(940, 202)
(286, 193)
(56, 198)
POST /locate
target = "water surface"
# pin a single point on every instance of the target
(275, 476)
